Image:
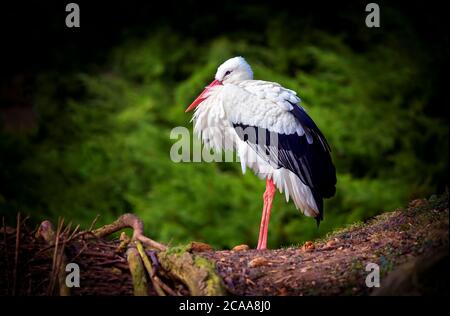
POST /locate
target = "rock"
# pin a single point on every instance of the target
(241, 248)
(200, 246)
(257, 262)
(308, 246)
(283, 291)
(249, 282)
(418, 203)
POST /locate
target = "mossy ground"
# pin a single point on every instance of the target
(336, 265)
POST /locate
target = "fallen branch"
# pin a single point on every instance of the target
(148, 266)
(137, 272)
(129, 221)
(197, 273)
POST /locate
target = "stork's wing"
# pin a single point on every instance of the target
(293, 141)
(271, 91)
(262, 104)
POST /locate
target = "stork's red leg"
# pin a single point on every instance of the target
(263, 224)
(264, 228)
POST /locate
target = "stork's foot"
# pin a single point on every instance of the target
(242, 247)
(261, 245)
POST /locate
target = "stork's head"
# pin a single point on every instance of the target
(234, 70)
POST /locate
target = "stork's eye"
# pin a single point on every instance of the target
(228, 72)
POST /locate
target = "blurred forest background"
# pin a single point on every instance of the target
(85, 114)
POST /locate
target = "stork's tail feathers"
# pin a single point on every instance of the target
(319, 203)
(318, 219)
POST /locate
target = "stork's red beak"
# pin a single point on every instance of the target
(202, 96)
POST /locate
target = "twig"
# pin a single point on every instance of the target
(73, 233)
(165, 286)
(67, 229)
(148, 266)
(100, 254)
(110, 262)
(39, 251)
(55, 254)
(122, 266)
(16, 255)
(62, 262)
(47, 232)
(81, 251)
(83, 233)
(153, 259)
(6, 254)
(150, 242)
(94, 222)
(23, 222)
(112, 246)
(33, 232)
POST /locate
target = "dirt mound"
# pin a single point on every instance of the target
(336, 265)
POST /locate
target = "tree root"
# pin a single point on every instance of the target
(150, 270)
(198, 273)
(137, 272)
(129, 221)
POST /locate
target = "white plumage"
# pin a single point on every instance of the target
(256, 103)
(235, 99)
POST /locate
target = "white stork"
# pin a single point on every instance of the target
(272, 134)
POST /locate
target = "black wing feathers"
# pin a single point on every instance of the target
(311, 162)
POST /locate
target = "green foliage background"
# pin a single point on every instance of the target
(101, 145)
